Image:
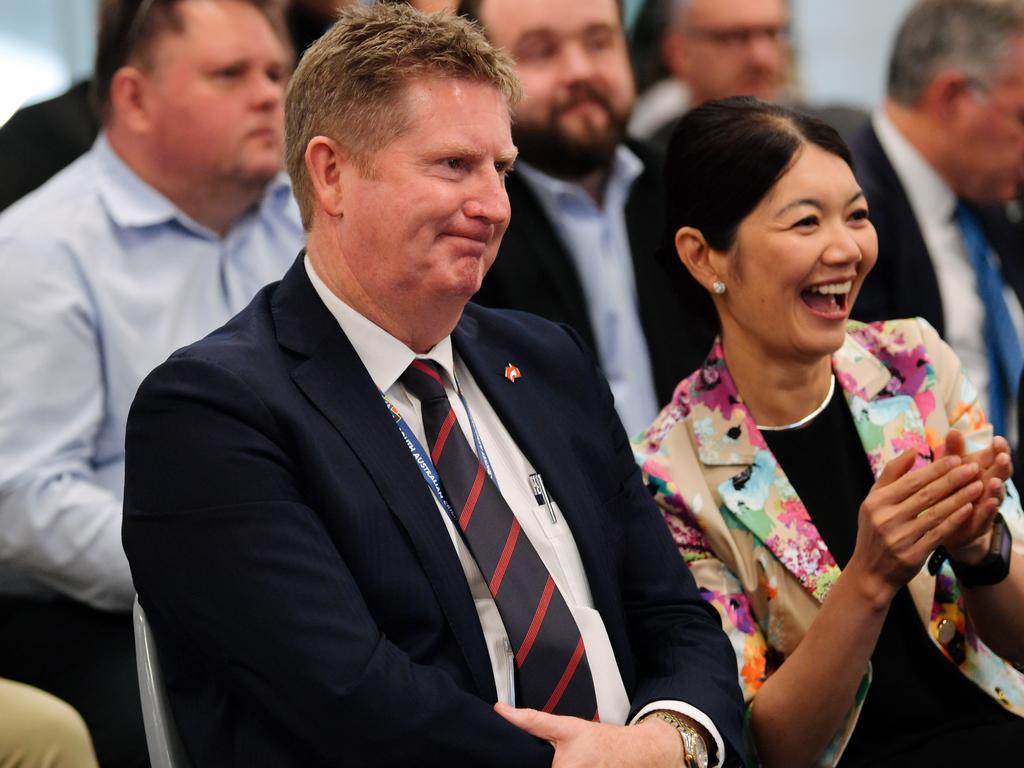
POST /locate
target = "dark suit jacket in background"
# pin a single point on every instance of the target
(903, 282)
(42, 139)
(535, 272)
(307, 601)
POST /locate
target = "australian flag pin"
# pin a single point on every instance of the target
(512, 373)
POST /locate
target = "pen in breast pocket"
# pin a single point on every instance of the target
(541, 495)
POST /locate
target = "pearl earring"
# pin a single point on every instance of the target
(718, 287)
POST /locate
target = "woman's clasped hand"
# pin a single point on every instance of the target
(908, 513)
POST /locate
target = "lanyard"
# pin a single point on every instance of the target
(422, 457)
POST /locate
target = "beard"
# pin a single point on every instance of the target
(548, 147)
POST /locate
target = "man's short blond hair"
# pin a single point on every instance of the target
(349, 84)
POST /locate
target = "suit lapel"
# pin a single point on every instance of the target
(890, 401)
(756, 494)
(337, 383)
(887, 399)
(543, 246)
(904, 275)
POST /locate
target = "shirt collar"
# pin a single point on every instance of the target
(278, 195)
(384, 356)
(625, 168)
(930, 196)
(131, 202)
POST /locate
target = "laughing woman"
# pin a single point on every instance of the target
(810, 469)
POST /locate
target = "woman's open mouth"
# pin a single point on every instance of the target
(828, 300)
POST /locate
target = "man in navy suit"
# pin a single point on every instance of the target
(320, 585)
(938, 164)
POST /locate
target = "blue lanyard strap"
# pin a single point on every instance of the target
(422, 457)
(480, 452)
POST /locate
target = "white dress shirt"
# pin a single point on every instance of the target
(934, 203)
(386, 358)
(666, 100)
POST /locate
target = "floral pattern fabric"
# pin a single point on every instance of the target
(747, 537)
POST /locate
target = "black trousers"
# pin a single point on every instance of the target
(87, 658)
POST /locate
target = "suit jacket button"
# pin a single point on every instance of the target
(945, 631)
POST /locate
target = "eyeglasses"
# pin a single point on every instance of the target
(740, 37)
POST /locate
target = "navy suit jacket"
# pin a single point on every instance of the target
(308, 604)
(536, 273)
(903, 282)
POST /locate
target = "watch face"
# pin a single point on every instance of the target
(696, 750)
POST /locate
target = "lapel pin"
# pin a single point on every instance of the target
(512, 373)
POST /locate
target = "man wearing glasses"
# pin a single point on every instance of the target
(714, 49)
(163, 230)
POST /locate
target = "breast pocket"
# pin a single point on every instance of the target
(550, 520)
(566, 566)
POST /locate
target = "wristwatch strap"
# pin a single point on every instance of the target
(695, 752)
(995, 566)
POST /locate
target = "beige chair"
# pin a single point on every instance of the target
(165, 747)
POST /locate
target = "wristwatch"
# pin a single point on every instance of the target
(695, 751)
(994, 566)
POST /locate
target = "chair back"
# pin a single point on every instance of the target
(165, 747)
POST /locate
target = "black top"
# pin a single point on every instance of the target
(919, 705)
(305, 27)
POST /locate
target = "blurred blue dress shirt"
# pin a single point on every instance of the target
(598, 241)
(101, 278)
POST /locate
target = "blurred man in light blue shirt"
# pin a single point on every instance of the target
(159, 234)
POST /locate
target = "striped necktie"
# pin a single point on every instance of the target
(1002, 345)
(551, 664)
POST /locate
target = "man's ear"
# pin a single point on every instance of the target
(943, 97)
(131, 103)
(698, 257)
(327, 163)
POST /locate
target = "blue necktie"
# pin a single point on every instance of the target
(1002, 345)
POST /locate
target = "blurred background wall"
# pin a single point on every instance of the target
(45, 45)
(842, 48)
(842, 45)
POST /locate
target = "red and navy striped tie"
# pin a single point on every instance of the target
(551, 663)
